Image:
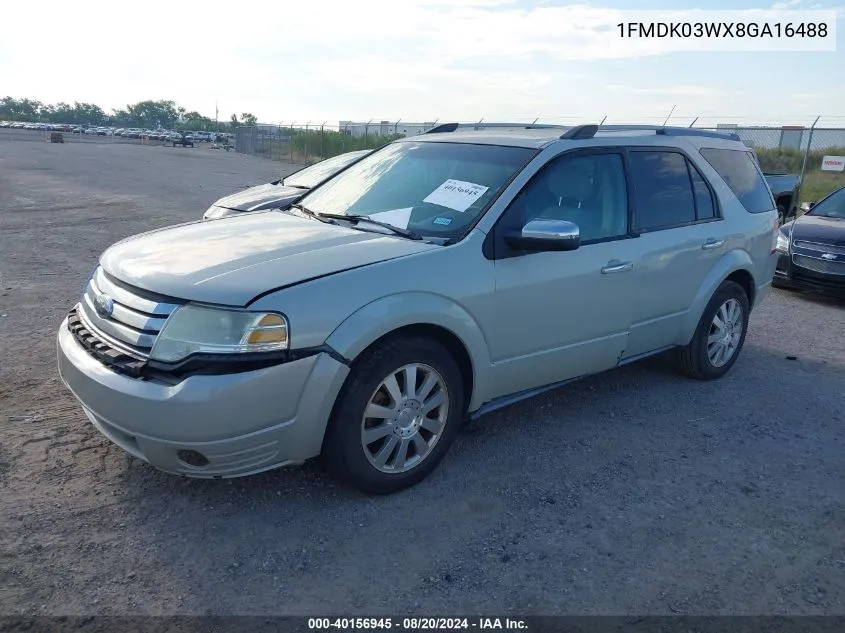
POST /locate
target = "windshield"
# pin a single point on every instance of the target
(831, 207)
(434, 189)
(315, 174)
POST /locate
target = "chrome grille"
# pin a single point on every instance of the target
(819, 265)
(137, 316)
(821, 248)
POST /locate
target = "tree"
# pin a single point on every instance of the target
(20, 109)
(248, 119)
(144, 114)
(234, 121)
(196, 121)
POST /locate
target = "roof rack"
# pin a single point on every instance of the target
(584, 131)
(581, 132)
(443, 127)
(452, 127)
(587, 131)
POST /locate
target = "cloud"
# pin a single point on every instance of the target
(687, 90)
(324, 59)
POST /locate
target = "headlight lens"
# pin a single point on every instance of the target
(782, 244)
(197, 329)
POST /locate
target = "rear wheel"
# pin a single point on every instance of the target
(396, 417)
(719, 336)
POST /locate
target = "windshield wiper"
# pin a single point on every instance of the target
(331, 218)
(322, 217)
(355, 219)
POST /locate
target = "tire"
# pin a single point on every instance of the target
(694, 359)
(344, 450)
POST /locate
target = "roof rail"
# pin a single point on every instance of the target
(581, 131)
(491, 125)
(443, 127)
(670, 131)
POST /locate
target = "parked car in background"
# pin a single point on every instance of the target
(811, 248)
(280, 194)
(185, 139)
(440, 277)
(786, 189)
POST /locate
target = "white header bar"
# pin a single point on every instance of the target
(764, 30)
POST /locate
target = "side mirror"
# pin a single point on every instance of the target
(806, 206)
(546, 235)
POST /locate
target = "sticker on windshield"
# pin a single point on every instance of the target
(456, 194)
(441, 221)
(396, 217)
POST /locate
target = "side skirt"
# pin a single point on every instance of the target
(505, 401)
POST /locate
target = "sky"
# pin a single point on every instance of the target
(415, 60)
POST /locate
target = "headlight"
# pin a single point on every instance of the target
(196, 329)
(782, 244)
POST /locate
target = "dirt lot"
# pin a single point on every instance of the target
(633, 492)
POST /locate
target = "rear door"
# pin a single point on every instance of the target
(681, 236)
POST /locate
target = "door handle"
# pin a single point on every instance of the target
(712, 244)
(616, 266)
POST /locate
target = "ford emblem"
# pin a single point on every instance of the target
(104, 305)
(828, 256)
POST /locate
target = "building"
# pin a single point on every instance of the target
(383, 128)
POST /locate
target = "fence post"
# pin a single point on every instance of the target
(291, 140)
(807, 151)
(306, 141)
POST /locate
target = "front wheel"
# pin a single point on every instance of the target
(719, 336)
(396, 417)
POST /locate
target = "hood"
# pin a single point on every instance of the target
(232, 260)
(260, 197)
(812, 228)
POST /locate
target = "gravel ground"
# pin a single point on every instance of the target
(634, 492)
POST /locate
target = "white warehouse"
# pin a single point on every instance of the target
(383, 128)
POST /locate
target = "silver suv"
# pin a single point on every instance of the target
(439, 278)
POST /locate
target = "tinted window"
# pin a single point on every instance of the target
(587, 190)
(738, 169)
(704, 206)
(663, 192)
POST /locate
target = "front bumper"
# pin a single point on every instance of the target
(240, 423)
(789, 274)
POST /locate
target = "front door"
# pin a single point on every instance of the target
(561, 315)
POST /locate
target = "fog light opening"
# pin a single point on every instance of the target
(192, 458)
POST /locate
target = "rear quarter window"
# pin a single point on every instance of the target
(739, 171)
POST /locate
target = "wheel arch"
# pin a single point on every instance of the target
(735, 266)
(423, 314)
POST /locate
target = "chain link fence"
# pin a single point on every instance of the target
(780, 149)
(308, 144)
(799, 150)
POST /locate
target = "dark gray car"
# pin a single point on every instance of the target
(282, 193)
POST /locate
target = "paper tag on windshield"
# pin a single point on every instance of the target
(456, 194)
(397, 217)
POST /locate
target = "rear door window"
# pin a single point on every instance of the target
(662, 190)
(739, 171)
